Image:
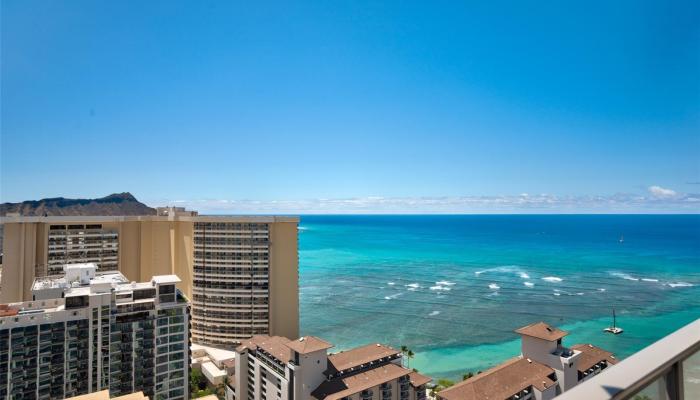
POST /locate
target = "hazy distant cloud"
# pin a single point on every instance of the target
(656, 200)
(658, 191)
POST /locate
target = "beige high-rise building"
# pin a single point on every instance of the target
(240, 272)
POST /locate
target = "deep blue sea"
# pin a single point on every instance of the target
(453, 288)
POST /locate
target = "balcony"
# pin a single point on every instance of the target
(666, 370)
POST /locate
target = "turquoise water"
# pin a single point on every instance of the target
(453, 288)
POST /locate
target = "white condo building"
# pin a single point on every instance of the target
(86, 332)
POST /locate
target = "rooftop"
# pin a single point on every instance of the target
(65, 219)
(592, 355)
(542, 330)
(274, 345)
(502, 382)
(308, 344)
(61, 281)
(165, 279)
(358, 356)
(340, 387)
(418, 379)
(104, 395)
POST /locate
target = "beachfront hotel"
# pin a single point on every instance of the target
(545, 369)
(86, 332)
(277, 368)
(241, 273)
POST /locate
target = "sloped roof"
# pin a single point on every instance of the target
(592, 355)
(418, 379)
(501, 382)
(274, 345)
(308, 344)
(345, 386)
(358, 356)
(542, 330)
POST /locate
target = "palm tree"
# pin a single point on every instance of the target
(409, 356)
(404, 351)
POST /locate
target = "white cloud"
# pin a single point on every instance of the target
(662, 193)
(658, 200)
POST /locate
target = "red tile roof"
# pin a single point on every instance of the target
(341, 387)
(308, 344)
(592, 355)
(358, 356)
(501, 382)
(541, 330)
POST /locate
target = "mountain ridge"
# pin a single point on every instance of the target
(114, 204)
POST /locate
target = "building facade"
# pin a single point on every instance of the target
(85, 332)
(81, 243)
(241, 273)
(277, 368)
(545, 369)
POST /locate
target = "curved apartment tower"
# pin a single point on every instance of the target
(237, 273)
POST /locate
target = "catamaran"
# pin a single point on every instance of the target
(616, 330)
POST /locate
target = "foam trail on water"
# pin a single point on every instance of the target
(624, 276)
(413, 285)
(680, 284)
(649, 280)
(529, 284)
(445, 283)
(438, 287)
(552, 279)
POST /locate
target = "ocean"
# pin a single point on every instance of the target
(454, 287)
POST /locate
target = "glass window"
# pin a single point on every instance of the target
(654, 391)
(691, 376)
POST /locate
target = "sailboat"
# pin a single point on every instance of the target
(614, 329)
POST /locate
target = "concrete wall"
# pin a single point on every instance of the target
(284, 276)
(310, 375)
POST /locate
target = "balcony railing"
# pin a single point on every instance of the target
(666, 370)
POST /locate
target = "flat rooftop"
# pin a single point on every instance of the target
(108, 218)
(60, 282)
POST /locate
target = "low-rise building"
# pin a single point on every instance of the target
(217, 365)
(545, 369)
(87, 332)
(277, 368)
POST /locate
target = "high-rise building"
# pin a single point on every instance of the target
(240, 272)
(86, 332)
(277, 368)
(81, 243)
(545, 369)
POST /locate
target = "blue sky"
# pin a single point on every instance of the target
(350, 106)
